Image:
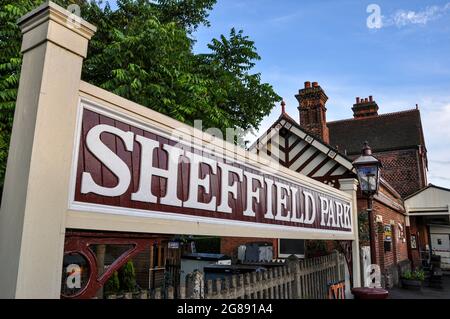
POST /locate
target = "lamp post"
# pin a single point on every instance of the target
(368, 170)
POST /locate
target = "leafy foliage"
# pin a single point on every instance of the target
(127, 277)
(363, 225)
(188, 14)
(143, 51)
(124, 279)
(113, 284)
(417, 274)
(241, 94)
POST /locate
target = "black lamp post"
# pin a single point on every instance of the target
(368, 170)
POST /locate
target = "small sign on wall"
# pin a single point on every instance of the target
(173, 245)
(413, 242)
(401, 232)
(387, 237)
(388, 233)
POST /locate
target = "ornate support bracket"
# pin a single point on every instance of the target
(81, 244)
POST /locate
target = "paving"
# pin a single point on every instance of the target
(425, 293)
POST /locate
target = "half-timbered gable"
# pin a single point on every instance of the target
(288, 144)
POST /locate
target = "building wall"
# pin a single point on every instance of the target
(388, 215)
(392, 262)
(418, 229)
(229, 245)
(399, 251)
(403, 169)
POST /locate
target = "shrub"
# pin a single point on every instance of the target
(112, 286)
(420, 275)
(414, 275)
(127, 277)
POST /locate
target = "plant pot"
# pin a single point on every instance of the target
(369, 293)
(143, 294)
(412, 284)
(128, 295)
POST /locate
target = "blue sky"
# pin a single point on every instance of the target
(404, 62)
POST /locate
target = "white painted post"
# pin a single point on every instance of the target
(350, 186)
(293, 264)
(195, 282)
(35, 196)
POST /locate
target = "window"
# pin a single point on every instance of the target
(287, 247)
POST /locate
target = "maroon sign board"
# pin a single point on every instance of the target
(133, 168)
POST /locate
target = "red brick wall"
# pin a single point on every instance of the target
(403, 169)
(386, 258)
(401, 248)
(313, 111)
(229, 245)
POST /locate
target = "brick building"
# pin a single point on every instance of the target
(325, 151)
(396, 140)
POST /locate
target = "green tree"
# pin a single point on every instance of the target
(127, 277)
(188, 14)
(112, 286)
(143, 51)
(244, 99)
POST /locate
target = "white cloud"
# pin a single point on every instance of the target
(284, 18)
(402, 18)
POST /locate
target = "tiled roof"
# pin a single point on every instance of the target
(397, 130)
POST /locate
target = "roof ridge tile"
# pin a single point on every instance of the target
(373, 117)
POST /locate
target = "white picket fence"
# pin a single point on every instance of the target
(292, 279)
(296, 279)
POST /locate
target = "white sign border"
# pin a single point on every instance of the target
(73, 205)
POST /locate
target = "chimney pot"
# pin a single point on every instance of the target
(365, 107)
(315, 84)
(307, 85)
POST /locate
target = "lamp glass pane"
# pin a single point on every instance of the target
(368, 178)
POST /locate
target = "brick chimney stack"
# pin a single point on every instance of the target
(365, 107)
(312, 110)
